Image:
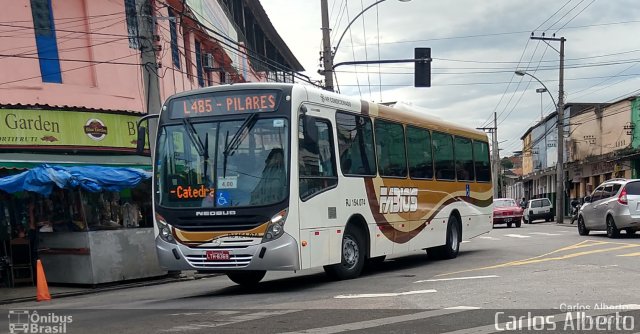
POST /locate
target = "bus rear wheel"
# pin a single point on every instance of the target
(353, 257)
(248, 278)
(452, 247)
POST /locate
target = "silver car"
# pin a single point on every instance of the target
(613, 206)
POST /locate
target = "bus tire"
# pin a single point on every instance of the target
(353, 256)
(452, 246)
(248, 278)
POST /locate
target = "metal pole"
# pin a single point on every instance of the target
(496, 157)
(327, 55)
(560, 142)
(541, 116)
(149, 65)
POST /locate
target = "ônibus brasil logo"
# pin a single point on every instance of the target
(21, 321)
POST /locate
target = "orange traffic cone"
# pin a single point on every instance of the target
(41, 284)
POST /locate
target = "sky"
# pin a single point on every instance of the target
(476, 46)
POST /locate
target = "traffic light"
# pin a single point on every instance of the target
(422, 73)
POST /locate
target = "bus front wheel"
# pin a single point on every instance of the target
(246, 278)
(353, 257)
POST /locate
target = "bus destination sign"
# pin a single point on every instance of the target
(224, 103)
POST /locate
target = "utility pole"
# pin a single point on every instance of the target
(327, 55)
(495, 156)
(560, 140)
(149, 64)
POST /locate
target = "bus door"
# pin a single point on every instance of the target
(317, 178)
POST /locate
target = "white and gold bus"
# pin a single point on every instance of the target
(256, 177)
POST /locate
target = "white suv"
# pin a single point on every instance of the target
(538, 209)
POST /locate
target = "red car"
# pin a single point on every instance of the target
(507, 211)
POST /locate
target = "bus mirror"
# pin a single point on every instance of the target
(140, 142)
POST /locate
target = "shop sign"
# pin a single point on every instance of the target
(21, 128)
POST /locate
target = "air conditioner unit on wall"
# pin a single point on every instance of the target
(209, 63)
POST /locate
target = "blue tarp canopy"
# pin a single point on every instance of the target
(90, 178)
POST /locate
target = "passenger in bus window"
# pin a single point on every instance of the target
(271, 186)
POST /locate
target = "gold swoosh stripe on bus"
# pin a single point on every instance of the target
(197, 238)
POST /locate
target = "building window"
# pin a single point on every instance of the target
(186, 35)
(132, 23)
(173, 31)
(46, 44)
(392, 161)
(355, 144)
(199, 68)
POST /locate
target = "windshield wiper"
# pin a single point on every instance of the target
(238, 137)
(191, 131)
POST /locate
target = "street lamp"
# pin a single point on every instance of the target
(559, 145)
(541, 90)
(327, 54)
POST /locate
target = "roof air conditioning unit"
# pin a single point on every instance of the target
(209, 63)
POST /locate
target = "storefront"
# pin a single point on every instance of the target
(82, 199)
(586, 177)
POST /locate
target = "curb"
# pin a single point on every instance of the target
(123, 286)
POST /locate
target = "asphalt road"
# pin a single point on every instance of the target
(536, 272)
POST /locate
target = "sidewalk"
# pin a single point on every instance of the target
(28, 293)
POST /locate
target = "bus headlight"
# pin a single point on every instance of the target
(164, 229)
(275, 229)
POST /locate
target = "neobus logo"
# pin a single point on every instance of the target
(396, 200)
(215, 213)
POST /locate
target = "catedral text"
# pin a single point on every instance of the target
(191, 192)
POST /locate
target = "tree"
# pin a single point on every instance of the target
(506, 163)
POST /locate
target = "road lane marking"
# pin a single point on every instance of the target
(354, 326)
(631, 254)
(388, 294)
(229, 321)
(462, 308)
(544, 258)
(455, 278)
(489, 238)
(517, 236)
(465, 241)
(544, 233)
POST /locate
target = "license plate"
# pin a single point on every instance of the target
(217, 255)
(507, 220)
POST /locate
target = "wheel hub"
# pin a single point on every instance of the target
(350, 252)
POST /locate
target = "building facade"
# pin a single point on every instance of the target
(73, 86)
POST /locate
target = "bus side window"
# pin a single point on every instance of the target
(355, 145)
(419, 151)
(464, 159)
(481, 161)
(443, 154)
(316, 159)
(392, 161)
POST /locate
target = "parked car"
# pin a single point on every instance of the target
(613, 206)
(539, 208)
(507, 211)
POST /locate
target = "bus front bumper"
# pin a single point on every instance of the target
(280, 254)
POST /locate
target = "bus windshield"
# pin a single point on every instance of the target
(234, 164)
